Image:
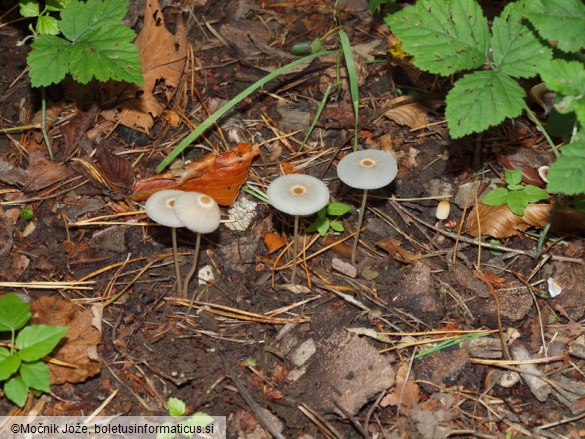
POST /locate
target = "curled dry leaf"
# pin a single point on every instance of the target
(406, 393)
(273, 242)
(411, 114)
(79, 347)
(219, 176)
(396, 251)
(163, 57)
(115, 169)
(500, 222)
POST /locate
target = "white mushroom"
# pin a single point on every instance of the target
(297, 195)
(366, 169)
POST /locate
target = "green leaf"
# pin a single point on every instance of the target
(36, 341)
(338, 209)
(513, 176)
(443, 35)
(567, 78)
(9, 364)
(497, 197)
(480, 100)
(48, 60)
(337, 226)
(535, 194)
(516, 50)
(56, 5)
(323, 226)
(176, 406)
(560, 21)
(47, 25)
(79, 19)
(106, 54)
(16, 391)
(567, 174)
(517, 202)
(36, 375)
(29, 8)
(14, 312)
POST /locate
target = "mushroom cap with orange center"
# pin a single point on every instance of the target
(198, 212)
(160, 207)
(367, 169)
(298, 194)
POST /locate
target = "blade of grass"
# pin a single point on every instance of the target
(231, 104)
(317, 115)
(450, 343)
(353, 82)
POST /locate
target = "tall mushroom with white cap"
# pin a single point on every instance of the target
(297, 195)
(200, 214)
(366, 169)
(160, 208)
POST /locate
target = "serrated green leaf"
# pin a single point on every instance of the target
(513, 176)
(560, 21)
(337, 226)
(567, 174)
(14, 312)
(480, 100)
(16, 391)
(496, 197)
(517, 202)
(535, 194)
(106, 54)
(9, 364)
(47, 25)
(516, 50)
(567, 78)
(176, 406)
(36, 341)
(79, 18)
(36, 376)
(48, 60)
(443, 35)
(338, 209)
(29, 8)
(56, 5)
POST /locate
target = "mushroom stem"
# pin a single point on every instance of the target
(194, 266)
(176, 258)
(293, 274)
(359, 226)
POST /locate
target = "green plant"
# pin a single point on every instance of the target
(515, 195)
(88, 41)
(21, 363)
(323, 223)
(199, 421)
(26, 213)
(449, 36)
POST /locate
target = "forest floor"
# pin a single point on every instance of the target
(342, 352)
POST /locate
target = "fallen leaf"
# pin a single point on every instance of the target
(115, 169)
(163, 57)
(396, 251)
(406, 392)
(79, 346)
(500, 222)
(43, 172)
(411, 114)
(273, 242)
(219, 176)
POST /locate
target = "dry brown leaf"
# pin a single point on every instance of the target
(273, 242)
(43, 172)
(79, 346)
(500, 222)
(406, 393)
(116, 169)
(413, 114)
(163, 57)
(396, 251)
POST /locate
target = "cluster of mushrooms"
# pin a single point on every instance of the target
(293, 194)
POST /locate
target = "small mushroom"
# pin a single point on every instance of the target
(441, 213)
(366, 169)
(160, 208)
(200, 214)
(297, 195)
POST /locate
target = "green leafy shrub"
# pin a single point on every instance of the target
(88, 41)
(323, 223)
(450, 36)
(515, 195)
(21, 364)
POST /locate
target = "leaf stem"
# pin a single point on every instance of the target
(534, 119)
(44, 122)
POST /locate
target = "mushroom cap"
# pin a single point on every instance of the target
(198, 212)
(443, 209)
(298, 194)
(367, 169)
(160, 208)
